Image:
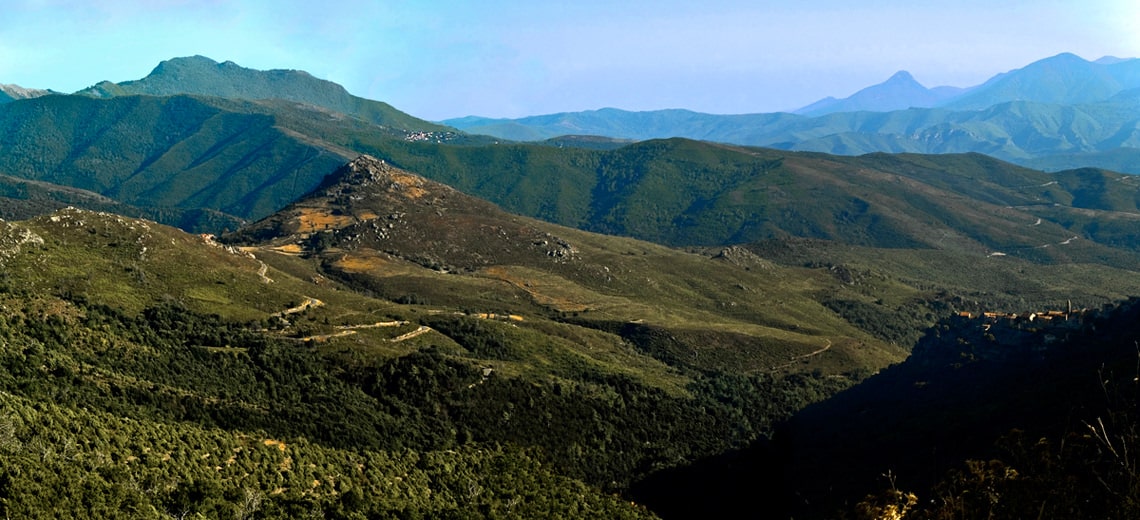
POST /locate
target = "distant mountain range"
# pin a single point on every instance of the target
(1064, 79)
(1053, 114)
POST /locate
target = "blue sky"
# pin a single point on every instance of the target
(441, 59)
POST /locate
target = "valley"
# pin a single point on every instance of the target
(230, 292)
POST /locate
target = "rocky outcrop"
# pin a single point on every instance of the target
(9, 93)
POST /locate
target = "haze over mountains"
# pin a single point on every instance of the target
(402, 319)
(899, 92)
(1056, 113)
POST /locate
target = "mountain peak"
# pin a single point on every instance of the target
(1061, 79)
(365, 171)
(1066, 57)
(204, 65)
(368, 203)
(1111, 60)
(366, 161)
(899, 92)
(196, 59)
(900, 77)
(199, 75)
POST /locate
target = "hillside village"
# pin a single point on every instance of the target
(1002, 336)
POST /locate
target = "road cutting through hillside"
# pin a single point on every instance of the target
(813, 353)
(373, 325)
(323, 337)
(261, 272)
(348, 330)
(1042, 246)
(423, 329)
(310, 302)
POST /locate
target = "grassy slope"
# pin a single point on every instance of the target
(375, 233)
(694, 340)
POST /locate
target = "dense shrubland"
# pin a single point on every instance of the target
(173, 412)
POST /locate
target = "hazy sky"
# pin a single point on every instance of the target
(440, 59)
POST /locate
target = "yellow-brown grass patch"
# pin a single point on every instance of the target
(409, 184)
(289, 249)
(311, 220)
(359, 263)
(271, 442)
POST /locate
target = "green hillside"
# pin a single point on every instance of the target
(162, 152)
(206, 162)
(121, 400)
(178, 155)
(266, 377)
(682, 192)
(374, 224)
(24, 199)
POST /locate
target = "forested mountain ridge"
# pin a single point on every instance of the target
(1042, 135)
(162, 152)
(199, 75)
(211, 163)
(245, 160)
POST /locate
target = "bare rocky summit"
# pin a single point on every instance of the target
(370, 205)
(9, 93)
